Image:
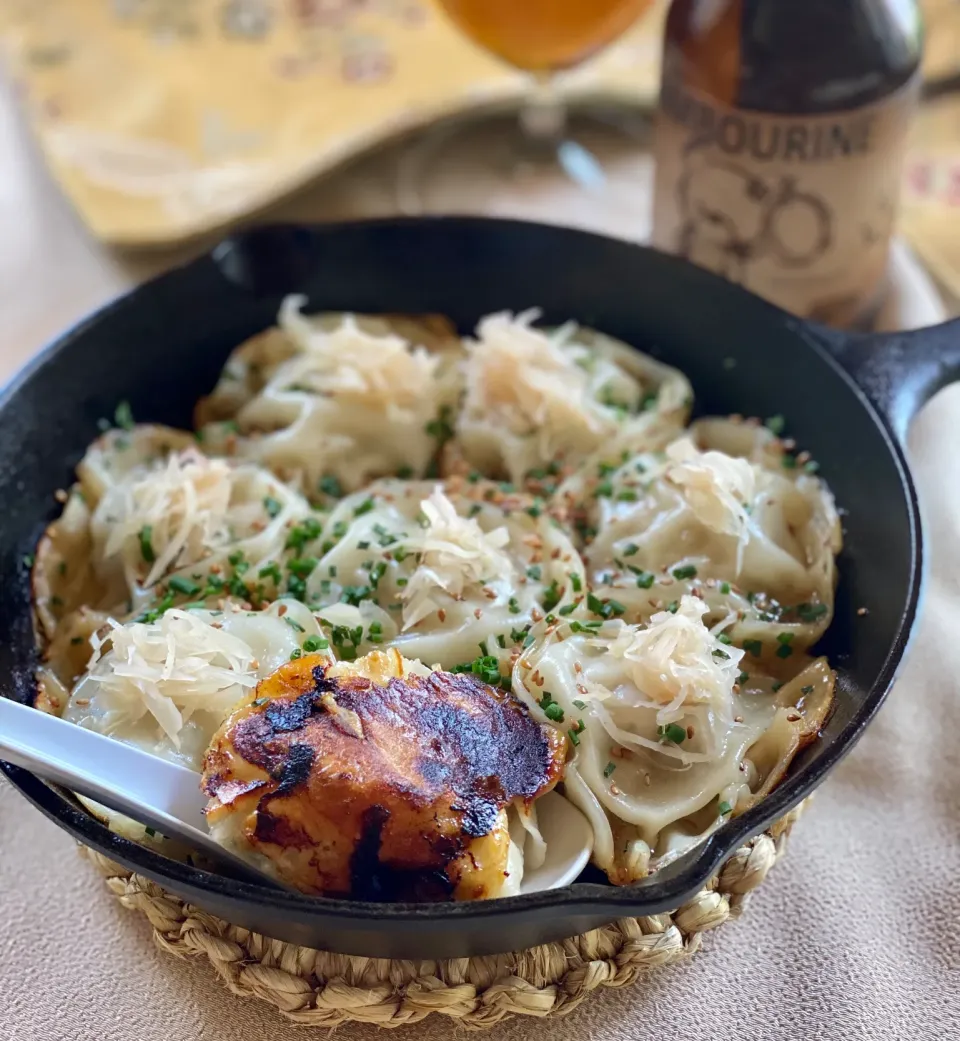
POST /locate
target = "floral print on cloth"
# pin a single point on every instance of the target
(165, 119)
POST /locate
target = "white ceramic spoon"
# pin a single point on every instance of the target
(167, 797)
(153, 791)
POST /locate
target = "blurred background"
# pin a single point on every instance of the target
(133, 132)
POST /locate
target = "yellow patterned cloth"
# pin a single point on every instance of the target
(163, 119)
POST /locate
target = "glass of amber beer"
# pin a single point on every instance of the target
(539, 37)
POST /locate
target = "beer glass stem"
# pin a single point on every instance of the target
(543, 115)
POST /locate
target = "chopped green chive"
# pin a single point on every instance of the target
(723, 638)
(305, 532)
(329, 485)
(296, 653)
(672, 732)
(631, 549)
(365, 507)
(271, 570)
(123, 416)
(808, 689)
(604, 608)
(811, 466)
(355, 595)
(272, 505)
(302, 566)
(293, 624)
(28, 559)
(575, 583)
(441, 428)
(743, 678)
(534, 573)
(754, 647)
(146, 544)
(551, 596)
(609, 768)
(181, 584)
(776, 425)
(724, 808)
(784, 650)
(514, 605)
(315, 643)
(687, 571)
(811, 612)
(724, 588)
(645, 579)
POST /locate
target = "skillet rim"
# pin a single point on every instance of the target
(649, 897)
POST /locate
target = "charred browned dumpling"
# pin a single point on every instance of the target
(379, 779)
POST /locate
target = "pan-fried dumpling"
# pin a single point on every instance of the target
(167, 685)
(670, 735)
(337, 398)
(66, 576)
(153, 521)
(757, 543)
(442, 572)
(183, 518)
(380, 779)
(535, 397)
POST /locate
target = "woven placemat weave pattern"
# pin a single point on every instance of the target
(317, 988)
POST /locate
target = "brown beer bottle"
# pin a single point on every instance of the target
(780, 141)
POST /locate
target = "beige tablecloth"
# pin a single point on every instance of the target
(855, 936)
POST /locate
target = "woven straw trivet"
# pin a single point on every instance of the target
(317, 988)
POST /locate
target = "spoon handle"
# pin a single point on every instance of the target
(157, 793)
(118, 775)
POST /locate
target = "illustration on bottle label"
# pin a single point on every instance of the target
(799, 209)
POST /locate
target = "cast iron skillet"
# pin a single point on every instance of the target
(847, 400)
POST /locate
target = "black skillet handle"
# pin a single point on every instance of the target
(899, 372)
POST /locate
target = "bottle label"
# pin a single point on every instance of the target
(799, 209)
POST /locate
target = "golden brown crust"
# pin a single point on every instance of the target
(412, 809)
